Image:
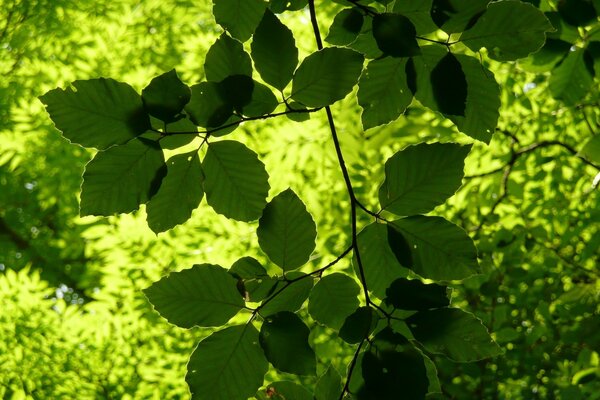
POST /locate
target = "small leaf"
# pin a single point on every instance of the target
(457, 334)
(254, 284)
(284, 390)
(180, 193)
(286, 231)
(449, 86)
(274, 38)
(345, 27)
(207, 108)
(97, 113)
(204, 295)
(395, 35)
(326, 76)
(421, 177)
(508, 30)
(358, 325)
(226, 57)
(380, 266)
(440, 249)
(329, 386)
(573, 78)
(236, 182)
(383, 91)
(284, 339)
(120, 178)
(290, 299)
(166, 96)
(239, 17)
(262, 102)
(415, 295)
(332, 299)
(227, 365)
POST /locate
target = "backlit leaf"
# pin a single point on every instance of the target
(239, 17)
(449, 86)
(226, 57)
(290, 299)
(345, 27)
(573, 78)
(395, 35)
(332, 299)
(329, 385)
(284, 390)
(207, 108)
(166, 96)
(358, 325)
(415, 295)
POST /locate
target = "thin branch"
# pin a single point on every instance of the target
(351, 369)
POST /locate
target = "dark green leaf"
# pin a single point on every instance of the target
(290, 299)
(365, 43)
(97, 113)
(254, 284)
(573, 78)
(415, 295)
(577, 12)
(400, 247)
(508, 30)
(239, 17)
(440, 249)
(236, 90)
(380, 265)
(421, 177)
(262, 102)
(227, 365)
(345, 27)
(395, 35)
(358, 325)
(274, 51)
(236, 183)
(284, 339)
(383, 91)
(204, 295)
(297, 116)
(284, 390)
(279, 6)
(180, 193)
(178, 140)
(332, 299)
(226, 57)
(454, 333)
(120, 178)
(166, 96)
(553, 51)
(418, 11)
(329, 386)
(454, 16)
(591, 150)
(286, 231)
(326, 76)
(449, 86)
(207, 108)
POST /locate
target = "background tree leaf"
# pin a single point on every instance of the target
(273, 37)
(236, 183)
(284, 339)
(286, 231)
(204, 295)
(119, 179)
(227, 365)
(97, 113)
(333, 298)
(239, 17)
(326, 76)
(457, 334)
(226, 57)
(165, 96)
(420, 177)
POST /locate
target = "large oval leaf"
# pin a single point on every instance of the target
(395, 35)
(227, 365)
(166, 96)
(226, 57)
(236, 182)
(332, 299)
(204, 295)
(326, 76)
(239, 17)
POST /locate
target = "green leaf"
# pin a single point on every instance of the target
(332, 299)
(97, 113)
(591, 150)
(180, 193)
(279, 6)
(239, 17)
(383, 91)
(227, 365)
(235, 180)
(483, 93)
(236, 90)
(178, 140)
(345, 27)
(326, 76)
(120, 178)
(418, 12)
(291, 298)
(254, 284)
(358, 325)
(573, 78)
(207, 108)
(395, 35)
(286, 231)
(284, 339)
(440, 249)
(508, 30)
(553, 51)
(165, 96)
(457, 334)
(274, 51)
(449, 86)
(415, 295)
(284, 390)
(421, 177)
(577, 12)
(204, 295)
(380, 266)
(262, 102)
(329, 386)
(226, 57)
(454, 16)
(365, 43)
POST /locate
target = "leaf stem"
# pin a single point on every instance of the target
(351, 369)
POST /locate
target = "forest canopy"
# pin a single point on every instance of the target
(349, 199)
